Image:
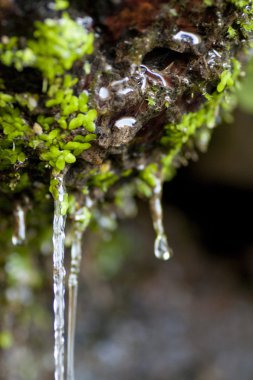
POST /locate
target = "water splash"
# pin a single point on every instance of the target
(161, 248)
(19, 233)
(59, 277)
(81, 221)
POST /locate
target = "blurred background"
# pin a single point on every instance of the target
(140, 318)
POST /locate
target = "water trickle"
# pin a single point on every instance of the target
(161, 248)
(19, 232)
(81, 221)
(59, 277)
(76, 254)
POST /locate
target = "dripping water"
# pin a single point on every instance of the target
(161, 248)
(19, 233)
(58, 278)
(76, 253)
(81, 221)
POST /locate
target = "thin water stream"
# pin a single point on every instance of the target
(81, 221)
(19, 233)
(161, 248)
(59, 279)
(76, 255)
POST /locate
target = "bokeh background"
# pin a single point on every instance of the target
(140, 318)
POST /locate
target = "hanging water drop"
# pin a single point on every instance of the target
(81, 221)
(161, 248)
(59, 277)
(19, 232)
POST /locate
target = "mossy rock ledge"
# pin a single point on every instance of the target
(112, 94)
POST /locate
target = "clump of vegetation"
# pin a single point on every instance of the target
(113, 120)
(55, 125)
(51, 128)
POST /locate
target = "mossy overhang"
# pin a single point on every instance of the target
(118, 112)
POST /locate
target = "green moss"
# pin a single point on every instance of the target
(149, 174)
(208, 3)
(61, 5)
(6, 339)
(65, 126)
(142, 188)
(220, 102)
(231, 32)
(103, 180)
(245, 21)
(56, 46)
(242, 4)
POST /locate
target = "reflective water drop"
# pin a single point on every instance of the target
(117, 83)
(154, 76)
(104, 93)
(188, 37)
(161, 248)
(125, 91)
(125, 122)
(213, 58)
(19, 233)
(59, 278)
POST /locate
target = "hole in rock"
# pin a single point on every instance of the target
(159, 58)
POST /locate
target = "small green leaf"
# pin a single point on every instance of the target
(65, 204)
(60, 163)
(69, 158)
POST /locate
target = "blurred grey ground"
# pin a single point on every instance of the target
(186, 319)
(190, 318)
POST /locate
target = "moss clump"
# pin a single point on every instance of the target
(168, 99)
(65, 127)
(220, 102)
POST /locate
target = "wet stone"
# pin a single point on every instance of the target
(149, 57)
(124, 130)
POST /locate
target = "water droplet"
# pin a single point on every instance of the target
(19, 233)
(187, 37)
(213, 58)
(117, 83)
(154, 76)
(161, 248)
(125, 122)
(124, 91)
(86, 22)
(59, 278)
(104, 93)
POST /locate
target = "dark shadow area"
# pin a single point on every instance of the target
(160, 58)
